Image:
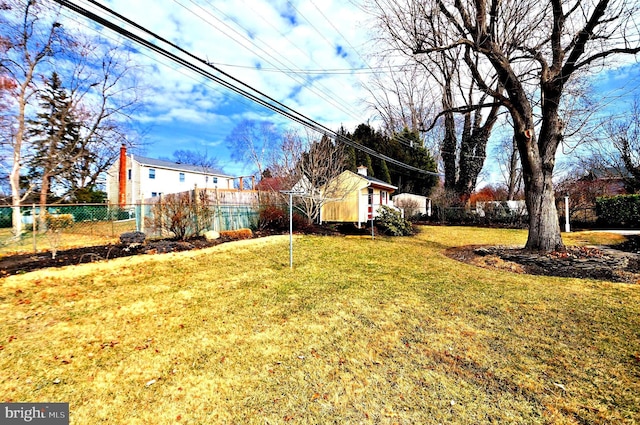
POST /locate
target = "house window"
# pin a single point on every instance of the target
(152, 173)
(154, 194)
(383, 198)
(181, 177)
(129, 173)
(215, 180)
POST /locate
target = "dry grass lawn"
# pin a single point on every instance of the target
(84, 233)
(384, 331)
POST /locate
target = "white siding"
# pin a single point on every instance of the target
(166, 181)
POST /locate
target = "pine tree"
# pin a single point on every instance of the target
(54, 134)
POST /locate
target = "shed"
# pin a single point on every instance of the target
(358, 198)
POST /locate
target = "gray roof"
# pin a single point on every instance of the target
(378, 181)
(160, 163)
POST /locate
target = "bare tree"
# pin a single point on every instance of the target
(508, 160)
(309, 162)
(402, 98)
(101, 92)
(106, 93)
(202, 159)
(535, 48)
(615, 150)
(30, 43)
(443, 80)
(253, 143)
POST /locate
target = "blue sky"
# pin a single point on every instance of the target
(250, 39)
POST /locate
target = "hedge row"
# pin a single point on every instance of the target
(619, 211)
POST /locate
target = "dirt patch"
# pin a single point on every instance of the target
(619, 263)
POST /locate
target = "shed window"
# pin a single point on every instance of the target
(152, 173)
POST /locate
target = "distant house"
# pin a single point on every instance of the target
(356, 198)
(604, 182)
(134, 178)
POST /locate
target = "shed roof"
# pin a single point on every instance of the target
(377, 182)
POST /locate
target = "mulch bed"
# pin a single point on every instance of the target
(619, 264)
(23, 263)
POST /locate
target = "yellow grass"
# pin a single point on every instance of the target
(80, 234)
(385, 331)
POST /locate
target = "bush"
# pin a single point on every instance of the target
(55, 225)
(618, 211)
(392, 223)
(236, 235)
(182, 215)
(301, 223)
(272, 218)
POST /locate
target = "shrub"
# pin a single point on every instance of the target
(410, 206)
(181, 215)
(236, 235)
(617, 211)
(55, 225)
(392, 223)
(272, 218)
(301, 223)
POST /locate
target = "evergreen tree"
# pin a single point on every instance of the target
(384, 172)
(406, 147)
(54, 134)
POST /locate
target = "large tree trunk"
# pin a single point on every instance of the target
(538, 162)
(450, 141)
(44, 192)
(544, 227)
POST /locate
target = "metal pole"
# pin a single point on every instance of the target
(291, 230)
(567, 227)
(34, 229)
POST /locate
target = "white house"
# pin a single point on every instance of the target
(138, 178)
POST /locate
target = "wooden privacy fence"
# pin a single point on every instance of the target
(212, 209)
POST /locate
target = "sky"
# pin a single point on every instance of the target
(310, 55)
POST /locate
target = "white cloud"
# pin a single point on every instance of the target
(184, 108)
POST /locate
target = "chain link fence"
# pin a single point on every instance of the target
(101, 224)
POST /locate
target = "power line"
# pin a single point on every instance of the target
(247, 92)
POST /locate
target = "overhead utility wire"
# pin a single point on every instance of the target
(279, 107)
(326, 93)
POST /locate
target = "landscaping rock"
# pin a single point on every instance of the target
(211, 235)
(132, 238)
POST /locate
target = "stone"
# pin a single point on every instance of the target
(211, 235)
(132, 238)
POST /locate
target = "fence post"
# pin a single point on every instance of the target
(196, 202)
(218, 211)
(161, 213)
(33, 227)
